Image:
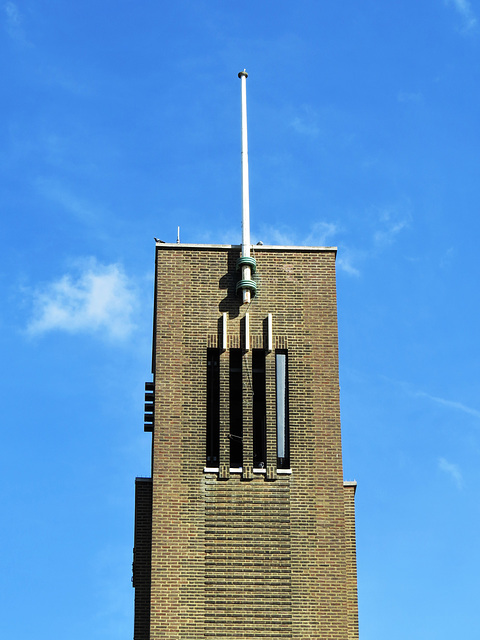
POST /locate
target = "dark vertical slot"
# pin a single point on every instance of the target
(236, 408)
(283, 427)
(213, 407)
(259, 408)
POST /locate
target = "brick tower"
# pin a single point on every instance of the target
(246, 528)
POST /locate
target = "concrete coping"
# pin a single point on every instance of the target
(254, 247)
(350, 483)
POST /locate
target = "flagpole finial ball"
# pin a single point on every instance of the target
(243, 73)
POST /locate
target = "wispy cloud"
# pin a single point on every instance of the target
(321, 234)
(405, 96)
(98, 299)
(12, 13)
(13, 19)
(13, 22)
(465, 10)
(390, 221)
(451, 404)
(386, 224)
(306, 123)
(68, 82)
(451, 469)
(283, 235)
(447, 258)
(62, 196)
(346, 263)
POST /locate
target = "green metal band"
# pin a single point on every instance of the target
(247, 261)
(247, 284)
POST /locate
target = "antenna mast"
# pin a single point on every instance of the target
(245, 262)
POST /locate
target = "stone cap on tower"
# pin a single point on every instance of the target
(262, 247)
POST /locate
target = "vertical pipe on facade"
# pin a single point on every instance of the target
(246, 271)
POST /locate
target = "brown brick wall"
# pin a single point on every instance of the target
(351, 558)
(142, 552)
(247, 559)
(278, 550)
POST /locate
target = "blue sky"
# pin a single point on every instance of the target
(121, 121)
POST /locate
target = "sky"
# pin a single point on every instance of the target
(120, 121)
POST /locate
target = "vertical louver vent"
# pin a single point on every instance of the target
(149, 406)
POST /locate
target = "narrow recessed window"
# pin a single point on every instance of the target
(259, 408)
(236, 408)
(283, 445)
(213, 407)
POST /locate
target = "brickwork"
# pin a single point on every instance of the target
(351, 558)
(141, 557)
(249, 554)
(247, 559)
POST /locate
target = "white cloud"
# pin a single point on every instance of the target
(391, 221)
(322, 236)
(451, 469)
(13, 15)
(13, 22)
(69, 202)
(387, 223)
(320, 233)
(284, 236)
(99, 299)
(345, 263)
(464, 8)
(231, 235)
(451, 404)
